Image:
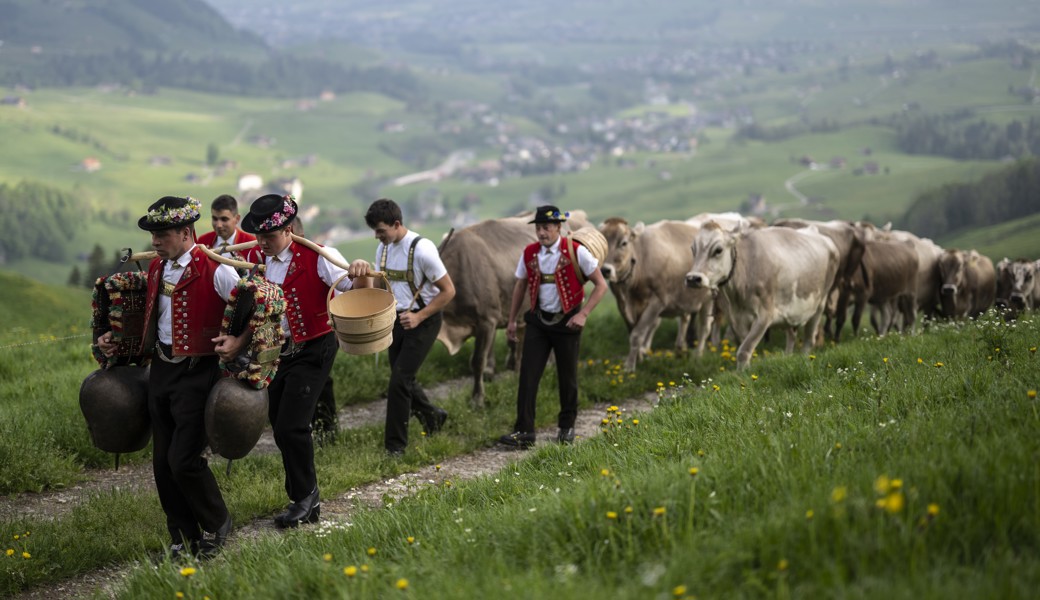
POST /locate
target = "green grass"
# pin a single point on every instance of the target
(1013, 239)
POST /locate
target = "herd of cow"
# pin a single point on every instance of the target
(726, 268)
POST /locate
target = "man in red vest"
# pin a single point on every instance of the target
(548, 273)
(310, 345)
(225, 218)
(187, 294)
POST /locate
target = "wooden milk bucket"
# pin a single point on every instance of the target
(363, 318)
(593, 240)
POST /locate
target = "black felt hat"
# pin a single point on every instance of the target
(549, 214)
(170, 211)
(270, 213)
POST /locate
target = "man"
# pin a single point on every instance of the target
(309, 349)
(225, 218)
(547, 271)
(422, 287)
(187, 294)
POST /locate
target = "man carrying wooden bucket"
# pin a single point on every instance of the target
(305, 276)
(187, 294)
(422, 287)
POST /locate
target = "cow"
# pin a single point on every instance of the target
(481, 260)
(928, 254)
(887, 280)
(969, 283)
(1016, 285)
(765, 277)
(849, 240)
(730, 221)
(645, 267)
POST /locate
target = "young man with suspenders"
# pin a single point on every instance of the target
(422, 287)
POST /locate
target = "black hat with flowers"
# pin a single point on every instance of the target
(170, 211)
(270, 213)
(549, 214)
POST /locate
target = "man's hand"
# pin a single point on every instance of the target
(229, 346)
(410, 320)
(511, 331)
(106, 345)
(577, 321)
(359, 268)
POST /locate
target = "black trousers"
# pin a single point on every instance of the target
(187, 489)
(326, 419)
(405, 397)
(539, 340)
(292, 396)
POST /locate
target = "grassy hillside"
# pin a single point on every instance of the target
(1013, 239)
(38, 312)
(102, 26)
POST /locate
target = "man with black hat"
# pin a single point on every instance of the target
(548, 271)
(187, 294)
(422, 287)
(305, 277)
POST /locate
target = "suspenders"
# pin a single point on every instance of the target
(408, 274)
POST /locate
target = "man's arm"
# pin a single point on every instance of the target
(519, 291)
(578, 320)
(410, 320)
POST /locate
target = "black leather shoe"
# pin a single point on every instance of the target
(395, 452)
(433, 421)
(179, 550)
(210, 548)
(305, 511)
(566, 436)
(518, 439)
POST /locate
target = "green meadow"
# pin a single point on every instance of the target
(900, 466)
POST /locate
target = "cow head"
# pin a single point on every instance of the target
(713, 257)
(620, 261)
(1021, 275)
(951, 272)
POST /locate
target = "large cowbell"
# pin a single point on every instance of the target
(114, 402)
(236, 415)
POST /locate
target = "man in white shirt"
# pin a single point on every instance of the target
(548, 272)
(422, 287)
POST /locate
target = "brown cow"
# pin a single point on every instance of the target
(928, 254)
(645, 268)
(1016, 285)
(848, 239)
(771, 276)
(481, 260)
(887, 280)
(969, 283)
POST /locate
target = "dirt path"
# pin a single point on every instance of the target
(338, 510)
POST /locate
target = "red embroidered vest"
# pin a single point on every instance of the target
(571, 291)
(305, 293)
(196, 309)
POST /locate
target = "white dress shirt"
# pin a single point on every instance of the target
(548, 258)
(278, 267)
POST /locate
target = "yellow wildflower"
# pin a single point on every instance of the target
(882, 484)
(938, 365)
(809, 514)
(700, 452)
(679, 590)
(364, 568)
(1031, 394)
(839, 494)
(410, 539)
(782, 565)
(754, 377)
(350, 571)
(327, 557)
(897, 484)
(179, 595)
(372, 551)
(694, 471)
(187, 571)
(837, 445)
(611, 515)
(628, 510)
(437, 467)
(604, 472)
(920, 360)
(635, 421)
(933, 510)
(10, 551)
(812, 357)
(402, 584)
(885, 360)
(659, 511)
(26, 555)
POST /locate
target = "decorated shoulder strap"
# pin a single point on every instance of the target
(256, 304)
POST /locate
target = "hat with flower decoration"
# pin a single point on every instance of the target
(170, 211)
(549, 214)
(270, 213)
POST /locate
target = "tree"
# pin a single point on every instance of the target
(75, 277)
(212, 154)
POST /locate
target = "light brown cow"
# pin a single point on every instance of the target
(928, 253)
(849, 240)
(481, 260)
(887, 281)
(1016, 285)
(771, 276)
(645, 268)
(969, 283)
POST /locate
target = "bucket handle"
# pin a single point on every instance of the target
(332, 289)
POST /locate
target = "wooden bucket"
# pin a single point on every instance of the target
(593, 240)
(363, 319)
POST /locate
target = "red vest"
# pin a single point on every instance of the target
(253, 255)
(305, 296)
(571, 291)
(196, 309)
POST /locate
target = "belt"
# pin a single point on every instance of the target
(165, 353)
(291, 348)
(414, 310)
(550, 318)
